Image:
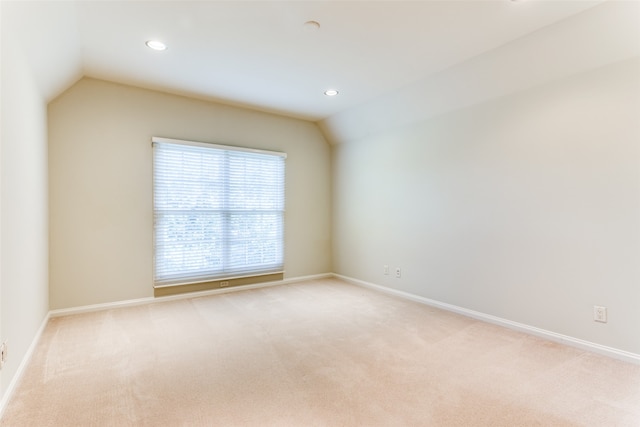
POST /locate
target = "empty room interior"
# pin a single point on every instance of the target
(326, 213)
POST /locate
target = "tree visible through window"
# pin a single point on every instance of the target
(218, 211)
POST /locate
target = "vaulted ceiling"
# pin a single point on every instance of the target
(263, 55)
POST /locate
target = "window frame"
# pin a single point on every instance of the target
(202, 278)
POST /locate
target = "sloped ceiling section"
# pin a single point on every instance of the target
(46, 33)
(607, 33)
(259, 54)
(394, 62)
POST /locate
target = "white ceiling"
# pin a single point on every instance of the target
(259, 54)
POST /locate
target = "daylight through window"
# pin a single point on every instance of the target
(218, 211)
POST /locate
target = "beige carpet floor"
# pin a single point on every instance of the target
(320, 353)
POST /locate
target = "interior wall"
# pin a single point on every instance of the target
(100, 177)
(526, 207)
(23, 205)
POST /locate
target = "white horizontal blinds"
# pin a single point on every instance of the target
(255, 197)
(218, 212)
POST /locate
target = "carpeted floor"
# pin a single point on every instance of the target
(321, 353)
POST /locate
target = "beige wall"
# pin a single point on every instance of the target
(23, 205)
(526, 207)
(101, 189)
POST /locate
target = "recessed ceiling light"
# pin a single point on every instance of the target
(156, 45)
(331, 92)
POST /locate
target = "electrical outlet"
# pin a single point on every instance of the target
(224, 284)
(386, 270)
(398, 273)
(600, 314)
(3, 353)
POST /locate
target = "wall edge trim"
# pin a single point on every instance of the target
(6, 397)
(152, 300)
(614, 353)
(11, 388)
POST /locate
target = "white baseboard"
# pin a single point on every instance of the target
(8, 393)
(552, 336)
(129, 303)
(542, 333)
(151, 300)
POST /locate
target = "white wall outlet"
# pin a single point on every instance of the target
(386, 270)
(3, 353)
(600, 313)
(224, 284)
(398, 273)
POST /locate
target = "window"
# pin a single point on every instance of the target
(218, 212)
